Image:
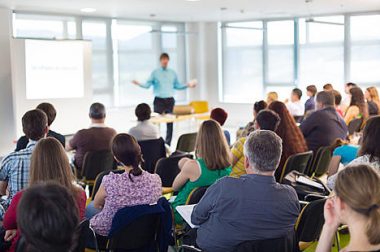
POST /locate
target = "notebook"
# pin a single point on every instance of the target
(309, 182)
(185, 212)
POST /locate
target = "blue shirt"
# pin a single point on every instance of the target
(310, 104)
(252, 207)
(164, 82)
(14, 169)
(347, 153)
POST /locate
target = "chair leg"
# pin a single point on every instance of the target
(337, 238)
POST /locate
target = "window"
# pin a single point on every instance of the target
(321, 57)
(242, 62)
(365, 49)
(280, 52)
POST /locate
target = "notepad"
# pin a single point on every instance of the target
(309, 182)
(185, 212)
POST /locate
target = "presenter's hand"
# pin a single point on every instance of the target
(135, 82)
(191, 85)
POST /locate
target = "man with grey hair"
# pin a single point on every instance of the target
(252, 207)
(325, 125)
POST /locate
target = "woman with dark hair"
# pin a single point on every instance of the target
(358, 107)
(369, 152)
(133, 187)
(293, 141)
(257, 107)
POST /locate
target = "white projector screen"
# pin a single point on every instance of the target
(54, 70)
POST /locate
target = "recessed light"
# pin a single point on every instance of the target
(193, 0)
(88, 10)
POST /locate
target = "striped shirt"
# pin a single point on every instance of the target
(14, 169)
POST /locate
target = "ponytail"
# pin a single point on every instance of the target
(136, 170)
(373, 228)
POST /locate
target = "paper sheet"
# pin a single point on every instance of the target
(185, 212)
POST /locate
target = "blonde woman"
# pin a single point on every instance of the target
(373, 100)
(271, 97)
(213, 162)
(357, 205)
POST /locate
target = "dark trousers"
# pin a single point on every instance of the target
(165, 106)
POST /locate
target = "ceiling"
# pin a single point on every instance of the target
(203, 10)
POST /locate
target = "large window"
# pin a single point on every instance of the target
(122, 51)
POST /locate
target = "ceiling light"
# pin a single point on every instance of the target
(88, 10)
(193, 0)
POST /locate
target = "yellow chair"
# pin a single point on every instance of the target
(200, 106)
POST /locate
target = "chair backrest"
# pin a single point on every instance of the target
(99, 178)
(298, 119)
(167, 169)
(85, 233)
(199, 106)
(287, 243)
(297, 162)
(321, 162)
(310, 221)
(196, 195)
(152, 151)
(138, 235)
(355, 125)
(186, 142)
(96, 162)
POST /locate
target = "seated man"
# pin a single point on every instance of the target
(295, 106)
(51, 114)
(14, 168)
(325, 125)
(96, 138)
(253, 207)
(220, 115)
(144, 130)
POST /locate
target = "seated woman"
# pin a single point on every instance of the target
(357, 205)
(133, 187)
(345, 151)
(220, 115)
(369, 152)
(49, 162)
(212, 163)
(358, 107)
(373, 101)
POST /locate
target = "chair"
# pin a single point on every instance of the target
(199, 106)
(321, 163)
(186, 142)
(298, 119)
(85, 233)
(355, 126)
(309, 223)
(152, 151)
(94, 163)
(167, 169)
(297, 162)
(137, 236)
(98, 181)
(196, 195)
(288, 243)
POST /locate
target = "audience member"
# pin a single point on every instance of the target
(338, 101)
(373, 101)
(253, 207)
(51, 113)
(220, 115)
(293, 141)
(257, 107)
(310, 103)
(295, 107)
(322, 127)
(144, 130)
(369, 152)
(213, 162)
(133, 187)
(328, 87)
(49, 162)
(96, 138)
(358, 107)
(357, 205)
(271, 97)
(14, 168)
(266, 120)
(347, 100)
(47, 219)
(345, 151)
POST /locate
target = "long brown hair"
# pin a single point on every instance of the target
(357, 99)
(211, 145)
(49, 162)
(359, 187)
(293, 141)
(374, 96)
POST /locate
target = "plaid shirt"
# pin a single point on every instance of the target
(14, 170)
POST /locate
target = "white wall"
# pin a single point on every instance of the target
(7, 122)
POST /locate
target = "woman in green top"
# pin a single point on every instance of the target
(213, 162)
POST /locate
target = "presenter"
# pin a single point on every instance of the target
(164, 81)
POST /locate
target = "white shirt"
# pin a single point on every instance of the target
(296, 108)
(144, 131)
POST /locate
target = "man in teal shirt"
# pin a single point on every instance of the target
(164, 81)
